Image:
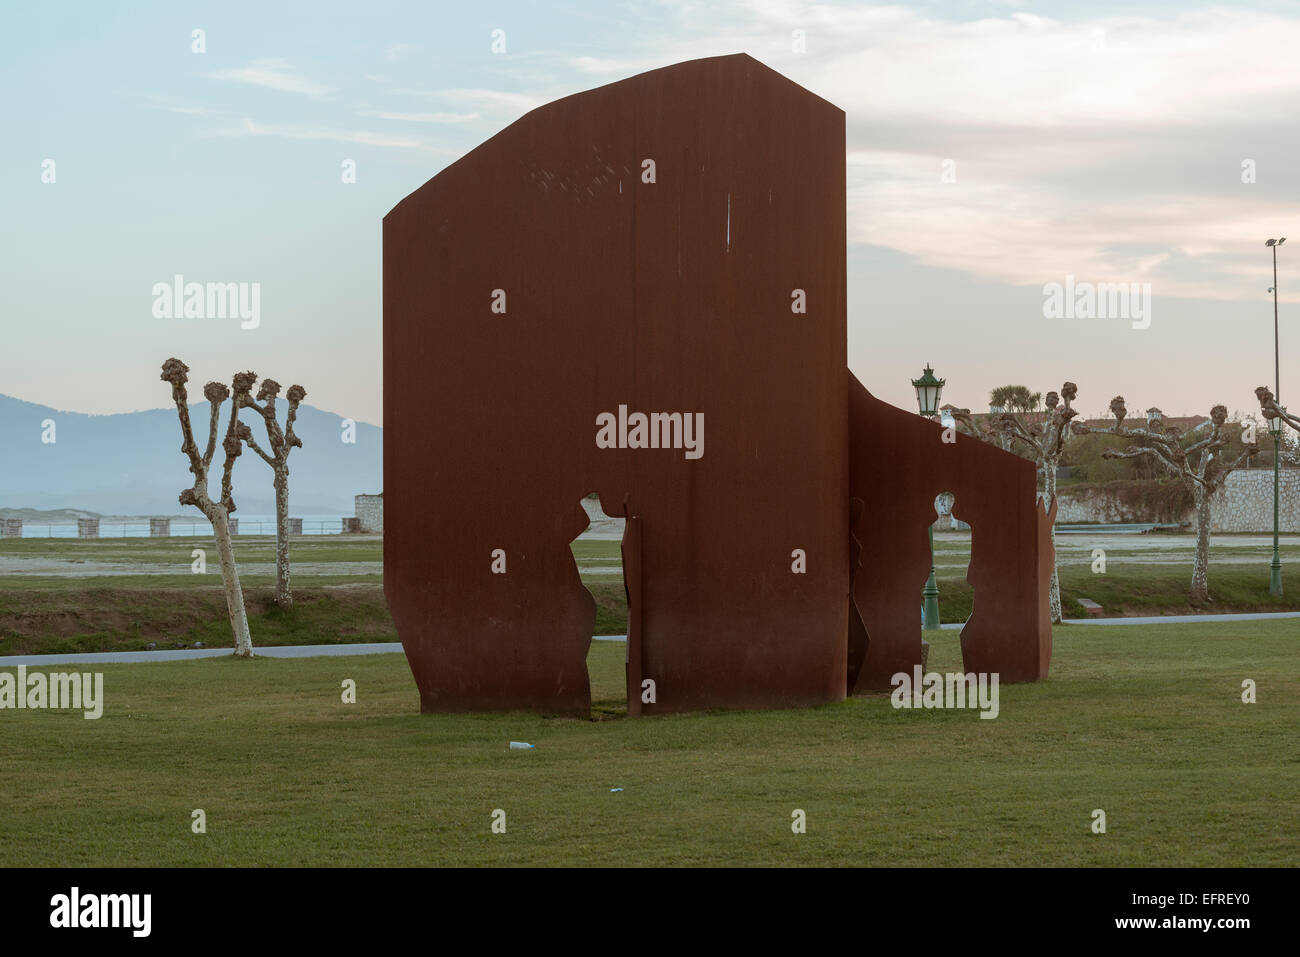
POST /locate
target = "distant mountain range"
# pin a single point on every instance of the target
(131, 464)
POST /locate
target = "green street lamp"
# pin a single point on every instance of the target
(1275, 427)
(928, 389)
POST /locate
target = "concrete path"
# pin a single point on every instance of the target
(183, 654)
(1170, 619)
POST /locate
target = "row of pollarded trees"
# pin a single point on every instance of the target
(237, 434)
(1194, 458)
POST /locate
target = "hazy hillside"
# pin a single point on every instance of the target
(131, 464)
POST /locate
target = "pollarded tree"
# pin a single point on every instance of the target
(217, 512)
(282, 442)
(1271, 410)
(1193, 459)
(1043, 441)
(1289, 445)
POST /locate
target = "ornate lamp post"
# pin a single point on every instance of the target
(928, 390)
(1275, 427)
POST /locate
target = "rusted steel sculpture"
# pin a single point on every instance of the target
(899, 463)
(640, 290)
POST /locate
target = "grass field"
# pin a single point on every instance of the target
(1144, 722)
(71, 595)
(60, 596)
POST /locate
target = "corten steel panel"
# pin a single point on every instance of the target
(898, 465)
(672, 296)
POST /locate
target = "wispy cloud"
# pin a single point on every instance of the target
(273, 74)
(1110, 146)
(248, 127)
(610, 65)
(187, 110)
(489, 101)
(422, 117)
(153, 101)
(1021, 232)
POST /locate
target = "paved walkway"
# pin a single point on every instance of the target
(1171, 619)
(390, 647)
(183, 654)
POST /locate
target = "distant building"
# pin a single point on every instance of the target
(370, 512)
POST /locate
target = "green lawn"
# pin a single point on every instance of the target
(1145, 722)
(307, 549)
(82, 608)
(338, 588)
(107, 614)
(1135, 590)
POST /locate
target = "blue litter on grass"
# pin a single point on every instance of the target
(521, 746)
(612, 790)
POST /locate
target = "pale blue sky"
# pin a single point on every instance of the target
(1099, 140)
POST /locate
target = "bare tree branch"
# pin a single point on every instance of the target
(1268, 405)
(252, 444)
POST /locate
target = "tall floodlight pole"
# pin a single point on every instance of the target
(1275, 569)
(928, 390)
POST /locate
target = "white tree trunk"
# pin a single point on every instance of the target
(1201, 567)
(1049, 496)
(283, 594)
(230, 576)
